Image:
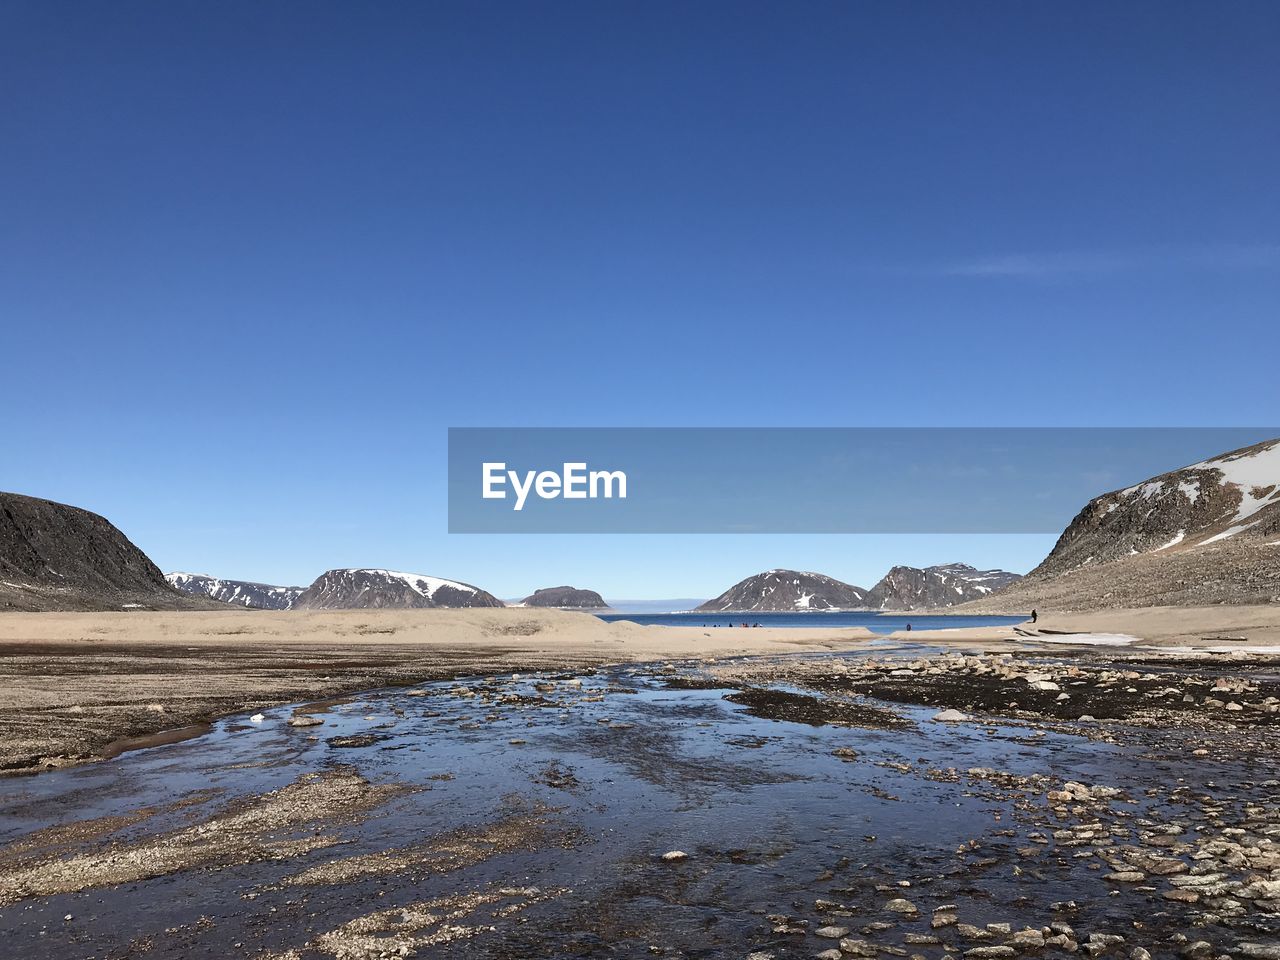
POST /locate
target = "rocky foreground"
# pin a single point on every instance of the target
(1204, 859)
(1146, 688)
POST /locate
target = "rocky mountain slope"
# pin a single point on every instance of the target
(565, 598)
(239, 593)
(1205, 534)
(58, 557)
(362, 588)
(945, 585)
(788, 590)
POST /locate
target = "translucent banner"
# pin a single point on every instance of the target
(805, 480)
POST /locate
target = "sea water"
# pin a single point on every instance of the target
(874, 621)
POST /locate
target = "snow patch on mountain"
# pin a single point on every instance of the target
(420, 584)
(377, 587)
(944, 585)
(239, 593)
(788, 590)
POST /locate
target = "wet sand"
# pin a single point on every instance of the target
(80, 686)
(1241, 627)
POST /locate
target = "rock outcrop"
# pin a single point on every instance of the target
(58, 557)
(565, 598)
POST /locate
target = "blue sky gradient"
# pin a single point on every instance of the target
(255, 258)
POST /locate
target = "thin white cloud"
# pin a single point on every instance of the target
(1033, 266)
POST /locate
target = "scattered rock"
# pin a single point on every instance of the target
(858, 948)
(1125, 876)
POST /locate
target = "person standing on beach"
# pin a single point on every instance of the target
(1034, 616)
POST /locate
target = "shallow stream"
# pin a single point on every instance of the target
(593, 784)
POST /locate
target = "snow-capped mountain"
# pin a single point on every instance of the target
(359, 588)
(1235, 495)
(788, 590)
(945, 585)
(239, 593)
(565, 598)
(1206, 534)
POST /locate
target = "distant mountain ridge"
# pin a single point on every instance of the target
(239, 593)
(944, 585)
(782, 590)
(361, 588)
(565, 598)
(54, 556)
(1205, 534)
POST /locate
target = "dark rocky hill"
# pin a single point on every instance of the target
(58, 557)
(361, 588)
(565, 598)
(238, 593)
(788, 590)
(945, 585)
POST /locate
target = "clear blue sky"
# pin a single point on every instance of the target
(256, 257)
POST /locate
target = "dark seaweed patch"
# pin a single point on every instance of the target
(815, 711)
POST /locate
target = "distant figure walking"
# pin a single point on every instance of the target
(1034, 616)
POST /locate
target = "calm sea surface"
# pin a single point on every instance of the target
(875, 622)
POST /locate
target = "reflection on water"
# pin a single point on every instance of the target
(570, 795)
(870, 620)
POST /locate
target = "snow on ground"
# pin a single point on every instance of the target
(1190, 489)
(1092, 639)
(1238, 650)
(1260, 469)
(1259, 649)
(1229, 532)
(1248, 472)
